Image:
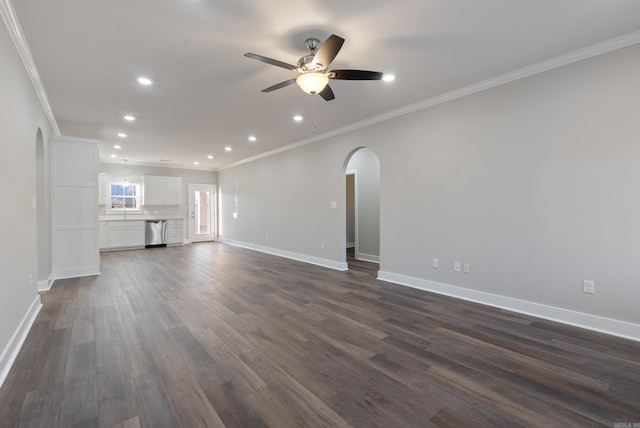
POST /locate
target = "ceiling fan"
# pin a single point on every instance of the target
(314, 76)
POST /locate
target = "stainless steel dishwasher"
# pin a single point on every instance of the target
(155, 233)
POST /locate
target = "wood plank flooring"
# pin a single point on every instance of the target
(209, 335)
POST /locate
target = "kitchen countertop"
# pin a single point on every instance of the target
(143, 217)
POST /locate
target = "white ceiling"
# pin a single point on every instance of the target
(207, 95)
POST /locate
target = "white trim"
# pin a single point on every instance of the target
(342, 266)
(19, 40)
(600, 324)
(85, 271)
(46, 284)
(10, 352)
(502, 79)
(356, 213)
(368, 257)
(351, 244)
(155, 164)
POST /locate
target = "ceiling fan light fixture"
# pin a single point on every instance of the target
(312, 83)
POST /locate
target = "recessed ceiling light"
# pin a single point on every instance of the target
(388, 77)
(122, 135)
(129, 118)
(252, 138)
(144, 81)
(117, 147)
(114, 156)
(297, 118)
(196, 163)
(228, 149)
(210, 157)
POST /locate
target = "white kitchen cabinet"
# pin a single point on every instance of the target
(175, 232)
(125, 234)
(159, 191)
(74, 209)
(103, 188)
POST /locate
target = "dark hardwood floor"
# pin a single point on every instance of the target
(213, 335)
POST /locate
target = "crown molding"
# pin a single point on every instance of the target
(120, 162)
(15, 30)
(601, 48)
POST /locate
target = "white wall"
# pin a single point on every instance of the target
(284, 204)
(533, 183)
(366, 163)
(21, 115)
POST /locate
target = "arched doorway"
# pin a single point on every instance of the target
(42, 218)
(361, 170)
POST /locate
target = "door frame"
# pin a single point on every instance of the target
(354, 172)
(191, 187)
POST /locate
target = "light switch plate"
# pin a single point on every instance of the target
(589, 287)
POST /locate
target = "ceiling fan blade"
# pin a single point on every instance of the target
(328, 51)
(327, 93)
(354, 75)
(280, 85)
(271, 61)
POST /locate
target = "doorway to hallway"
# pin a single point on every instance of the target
(362, 207)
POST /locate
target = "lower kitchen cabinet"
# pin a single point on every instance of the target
(175, 232)
(127, 234)
(121, 234)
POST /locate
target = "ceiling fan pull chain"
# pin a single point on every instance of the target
(315, 114)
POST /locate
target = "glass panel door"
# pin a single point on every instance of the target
(201, 212)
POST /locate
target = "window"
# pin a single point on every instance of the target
(124, 196)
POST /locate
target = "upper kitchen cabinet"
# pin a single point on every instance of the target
(161, 190)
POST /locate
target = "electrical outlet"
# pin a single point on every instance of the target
(456, 266)
(266, 236)
(435, 263)
(589, 287)
(322, 245)
(466, 268)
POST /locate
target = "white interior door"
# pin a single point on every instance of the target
(202, 212)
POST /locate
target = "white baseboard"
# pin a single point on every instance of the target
(351, 244)
(46, 284)
(10, 352)
(77, 273)
(368, 257)
(613, 327)
(289, 255)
